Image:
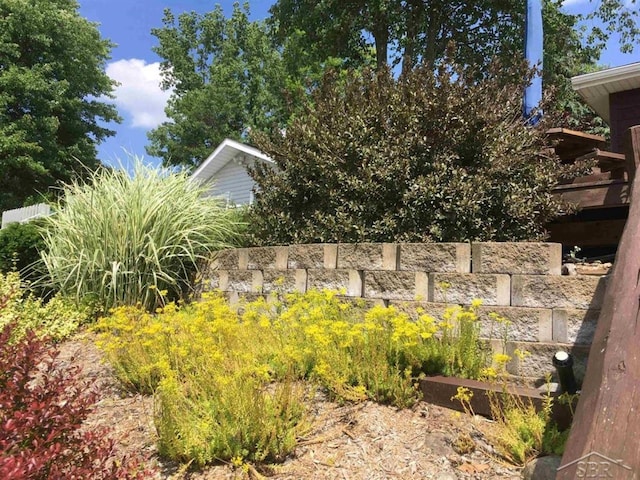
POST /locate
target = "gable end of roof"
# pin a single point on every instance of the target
(223, 154)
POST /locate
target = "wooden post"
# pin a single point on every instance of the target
(604, 439)
(632, 151)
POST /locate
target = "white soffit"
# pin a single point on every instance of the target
(596, 87)
(223, 154)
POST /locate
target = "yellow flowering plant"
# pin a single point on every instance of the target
(211, 386)
(228, 382)
(460, 350)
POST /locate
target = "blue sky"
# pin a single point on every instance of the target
(140, 100)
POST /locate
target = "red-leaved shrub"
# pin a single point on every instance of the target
(42, 409)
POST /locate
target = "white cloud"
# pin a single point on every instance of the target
(573, 3)
(139, 92)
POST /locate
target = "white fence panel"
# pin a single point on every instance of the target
(25, 214)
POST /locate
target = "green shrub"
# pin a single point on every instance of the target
(430, 156)
(55, 319)
(124, 239)
(20, 246)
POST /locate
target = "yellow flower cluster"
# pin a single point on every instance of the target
(209, 373)
(206, 359)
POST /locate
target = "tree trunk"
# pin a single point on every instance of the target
(604, 437)
(433, 28)
(381, 36)
(414, 17)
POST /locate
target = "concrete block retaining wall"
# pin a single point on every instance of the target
(520, 281)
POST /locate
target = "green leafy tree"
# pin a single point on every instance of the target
(619, 17)
(566, 55)
(51, 76)
(231, 75)
(415, 32)
(431, 156)
(407, 31)
(227, 78)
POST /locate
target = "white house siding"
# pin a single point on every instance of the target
(233, 183)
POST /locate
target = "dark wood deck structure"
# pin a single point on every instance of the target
(602, 196)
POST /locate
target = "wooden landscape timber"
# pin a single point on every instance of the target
(604, 437)
(440, 390)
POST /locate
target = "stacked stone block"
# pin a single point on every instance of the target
(519, 281)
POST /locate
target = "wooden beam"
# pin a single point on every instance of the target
(597, 233)
(559, 132)
(598, 154)
(606, 161)
(598, 194)
(440, 390)
(571, 144)
(606, 425)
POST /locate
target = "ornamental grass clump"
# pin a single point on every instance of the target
(124, 239)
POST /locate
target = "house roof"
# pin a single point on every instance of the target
(223, 154)
(596, 87)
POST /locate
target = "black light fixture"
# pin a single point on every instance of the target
(563, 362)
